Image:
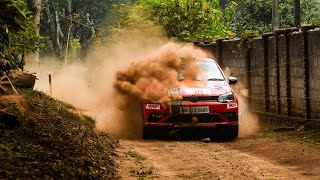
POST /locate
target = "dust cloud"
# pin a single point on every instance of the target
(111, 82)
(248, 121)
(149, 77)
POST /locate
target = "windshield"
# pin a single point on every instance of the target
(209, 71)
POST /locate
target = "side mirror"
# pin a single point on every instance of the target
(232, 80)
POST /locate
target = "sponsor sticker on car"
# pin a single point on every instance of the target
(197, 91)
(153, 106)
(194, 109)
(232, 105)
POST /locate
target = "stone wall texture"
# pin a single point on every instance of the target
(281, 71)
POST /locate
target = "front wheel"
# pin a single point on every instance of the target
(226, 132)
(231, 132)
(146, 132)
(155, 132)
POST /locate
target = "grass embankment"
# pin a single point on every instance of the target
(304, 133)
(50, 140)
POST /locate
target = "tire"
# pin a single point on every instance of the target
(226, 133)
(151, 132)
(231, 132)
(146, 133)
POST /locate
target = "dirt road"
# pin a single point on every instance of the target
(248, 158)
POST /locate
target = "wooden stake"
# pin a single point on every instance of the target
(50, 85)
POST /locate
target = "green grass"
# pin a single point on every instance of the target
(136, 155)
(310, 136)
(144, 173)
(54, 142)
(140, 171)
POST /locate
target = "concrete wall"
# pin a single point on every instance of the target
(314, 72)
(281, 70)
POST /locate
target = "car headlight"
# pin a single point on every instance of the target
(228, 97)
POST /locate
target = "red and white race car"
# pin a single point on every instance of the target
(208, 106)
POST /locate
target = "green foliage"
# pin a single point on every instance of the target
(246, 39)
(136, 155)
(252, 15)
(186, 21)
(192, 20)
(130, 19)
(74, 50)
(10, 61)
(202, 20)
(17, 35)
(144, 173)
(310, 12)
(257, 15)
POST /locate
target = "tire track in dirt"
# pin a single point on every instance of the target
(196, 160)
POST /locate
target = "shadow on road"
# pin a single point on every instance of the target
(188, 135)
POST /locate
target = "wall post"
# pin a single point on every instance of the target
(219, 51)
(265, 38)
(249, 72)
(278, 101)
(288, 74)
(305, 30)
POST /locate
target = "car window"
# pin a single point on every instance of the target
(210, 71)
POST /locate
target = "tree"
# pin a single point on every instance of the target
(257, 16)
(296, 11)
(185, 20)
(35, 7)
(275, 15)
(130, 20)
(17, 35)
(310, 12)
(74, 24)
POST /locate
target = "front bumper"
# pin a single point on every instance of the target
(218, 114)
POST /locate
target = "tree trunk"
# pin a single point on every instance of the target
(69, 19)
(275, 15)
(296, 10)
(223, 3)
(54, 28)
(35, 7)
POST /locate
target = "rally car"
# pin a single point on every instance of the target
(208, 106)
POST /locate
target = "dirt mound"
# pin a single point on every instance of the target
(12, 109)
(42, 138)
(13, 104)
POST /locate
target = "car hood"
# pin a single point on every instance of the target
(201, 88)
